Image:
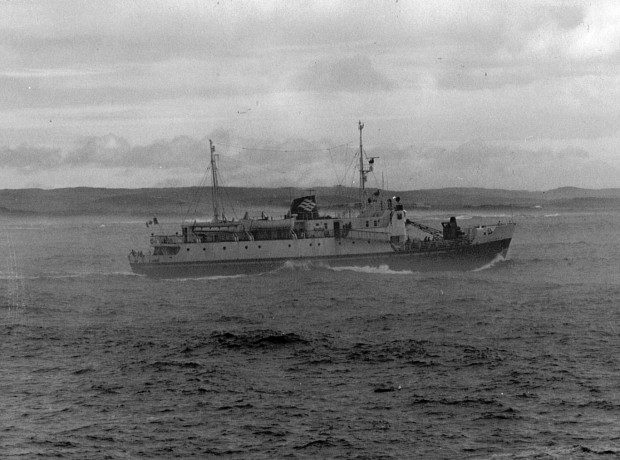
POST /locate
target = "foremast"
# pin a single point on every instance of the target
(218, 212)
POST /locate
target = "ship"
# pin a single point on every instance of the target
(380, 234)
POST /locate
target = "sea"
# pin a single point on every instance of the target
(519, 358)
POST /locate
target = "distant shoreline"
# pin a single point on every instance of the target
(184, 200)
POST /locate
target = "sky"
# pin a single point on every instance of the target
(497, 94)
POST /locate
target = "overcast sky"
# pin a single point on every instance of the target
(498, 94)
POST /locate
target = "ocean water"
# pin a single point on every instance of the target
(516, 359)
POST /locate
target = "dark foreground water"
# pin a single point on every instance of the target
(518, 359)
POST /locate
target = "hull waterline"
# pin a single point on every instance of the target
(458, 259)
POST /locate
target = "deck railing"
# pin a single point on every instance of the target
(166, 239)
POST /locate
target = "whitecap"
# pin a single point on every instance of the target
(498, 259)
(203, 278)
(297, 265)
(380, 270)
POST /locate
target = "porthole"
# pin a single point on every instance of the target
(246, 247)
(188, 249)
(352, 242)
(204, 249)
(289, 245)
(310, 244)
(259, 246)
(224, 248)
(318, 244)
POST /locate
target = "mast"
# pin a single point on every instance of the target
(214, 190)
(362, 173)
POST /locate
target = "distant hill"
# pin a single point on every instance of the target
(480, 197)
(189, 200)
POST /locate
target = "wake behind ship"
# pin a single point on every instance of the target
(381, 234)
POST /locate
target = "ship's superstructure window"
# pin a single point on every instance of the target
(166, 250)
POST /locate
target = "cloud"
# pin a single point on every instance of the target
(110, 161)
(440, 72)
(114, 151)
(123, 85)
(198, 48)
(109, 151)
(495, 165)
(29, 158)
(353, 74)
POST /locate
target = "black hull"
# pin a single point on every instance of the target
(459, 258)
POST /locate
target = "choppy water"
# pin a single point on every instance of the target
(520, 358)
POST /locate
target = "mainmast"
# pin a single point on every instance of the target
(362, 173)
(215, 192)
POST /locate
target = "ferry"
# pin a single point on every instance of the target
(381, 234)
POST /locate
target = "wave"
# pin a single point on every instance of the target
(380, 270)
(260, 338)
(497, 260)
(17, 276)
(306, 265)
(202, 278)
(298, 265)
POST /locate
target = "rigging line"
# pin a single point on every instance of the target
(344, 173)
(343, 169)
(254, 165)
(227, 196)
(281, 150)
(196, 190)
(331, 159)
(350, 170)
(286, 170)
(196, 200)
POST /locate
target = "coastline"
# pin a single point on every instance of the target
(176, 201)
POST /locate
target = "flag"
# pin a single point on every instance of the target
(304, 207)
